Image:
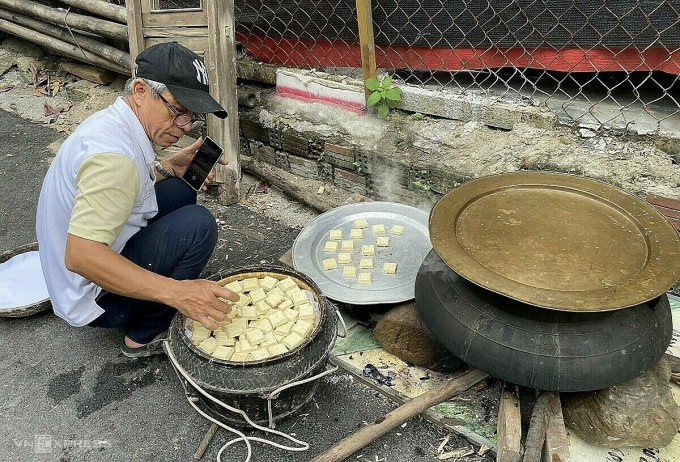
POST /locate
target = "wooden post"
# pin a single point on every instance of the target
(556, 440)
(220, 60)
(367, 40)
(135, 29)
(538, 426)
(509, 427)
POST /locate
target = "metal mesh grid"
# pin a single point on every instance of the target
(611, 63)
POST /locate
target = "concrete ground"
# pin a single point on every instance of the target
(67, 394)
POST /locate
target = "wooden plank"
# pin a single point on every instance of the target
(221, 63)
(556, 448)
(184, 32)
(509, 427)
(197, 44)
(367, 40)
(135, 29)
(538, 426)
(174, 18)
(90, 73)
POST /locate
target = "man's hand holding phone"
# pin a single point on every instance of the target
(195, 164)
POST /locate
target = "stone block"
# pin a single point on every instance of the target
(262, 153)
(303, 167)
(403, 333)
(253, 130)
(349, 181)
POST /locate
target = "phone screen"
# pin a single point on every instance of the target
(205, 159)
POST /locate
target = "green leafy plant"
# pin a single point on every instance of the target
(383, 94)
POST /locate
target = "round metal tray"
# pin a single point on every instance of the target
(408, 251)
(556, 241)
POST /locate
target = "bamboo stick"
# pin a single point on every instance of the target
(101, 8)
(101, 27)
(367, 41)
(411, 408)
(116, 56)
(60, 46)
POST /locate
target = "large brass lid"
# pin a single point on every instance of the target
(556, 241)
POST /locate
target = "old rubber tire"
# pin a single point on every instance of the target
(536, 347)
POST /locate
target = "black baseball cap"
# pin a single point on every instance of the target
(183, 72)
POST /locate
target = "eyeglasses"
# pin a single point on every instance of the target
(180, 120)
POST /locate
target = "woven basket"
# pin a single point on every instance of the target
(26, 310)
(246, 385)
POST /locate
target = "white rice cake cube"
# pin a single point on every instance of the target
(268, 283)
(243, 300)
(361, 223)
(397, 230)
(298, 297)
(306, 312)
(244, 346)
(389, 268)
(364, 278)
(285, 304)
(335, 235)
(277, 349)
(257, 295)
(223, 339)
(347, 245)
(265, 326)
(234, 329)
(240, 322)
(208, 345)
(277, 290)
(303, 328)
(249, 312)
(262, 308)
(287, 284)
(284, 329)
(329, 264)
(356, 233)
(250, 284)
(223, 352)
(239, 357)
(274, 299)
(378, 230)
(330, 246)
(366, 263)
(198, 332)
(383, 241)
(344, 258)
(291, 314)
(254, 336)
(259, 354)
(368, 250)
(269, 340)
(233, 313)
(349, 271)
(234, 286)
(292, 340)
(277, 318)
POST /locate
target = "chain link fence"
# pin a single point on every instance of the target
(601, 63)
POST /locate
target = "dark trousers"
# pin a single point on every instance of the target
(176, 243)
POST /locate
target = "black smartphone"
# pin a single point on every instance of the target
(203, 162)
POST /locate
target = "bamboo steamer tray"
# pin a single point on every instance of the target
(30, 309)
(246, 384)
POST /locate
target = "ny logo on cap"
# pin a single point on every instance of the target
(201, 72)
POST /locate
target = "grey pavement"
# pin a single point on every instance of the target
(67, 394)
